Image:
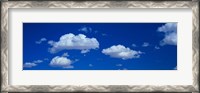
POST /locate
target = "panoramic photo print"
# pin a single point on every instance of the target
(100, 46)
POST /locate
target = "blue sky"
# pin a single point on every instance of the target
(99, 46)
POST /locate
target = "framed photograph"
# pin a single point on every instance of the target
(100, 46)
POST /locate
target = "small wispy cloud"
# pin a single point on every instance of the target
(119, 65)
(46, 59)
(134, 45)
(90, 65)
(85, 51)
(103, 34)
(32, 64)
(65, 54)
(76, 60)
(145, 44)
(95, 31)
(156, 47)
(38, 61)
(85, 29)
(41, 40)
(29, 65)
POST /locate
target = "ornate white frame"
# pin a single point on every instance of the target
(5, 87)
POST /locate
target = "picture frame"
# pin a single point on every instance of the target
(6, 5)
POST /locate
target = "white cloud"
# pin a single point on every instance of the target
(119, 65)
(29, 65)
(61, 62)
(170, 39)
(33, 63)
(85, 51)
(51, 42)
(170, 31)
(156, 47)
(103, 34)
(134, 45)
(85, 29)
(65, 54)
(76, 60)
(46, 59)
(95, 31)
(119, 51)
(145, 44)
(90, 65)
(41, 40)
(71, 41)
(37, 61)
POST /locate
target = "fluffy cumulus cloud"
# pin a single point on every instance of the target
(170, 31)
(29, 65)
(71, 41)
(41, 40)
(61, 62)
(120, 51)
